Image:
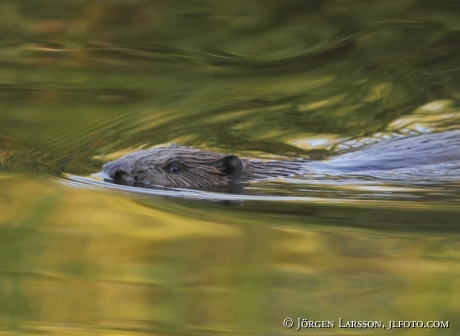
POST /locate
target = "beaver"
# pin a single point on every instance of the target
(180, 166)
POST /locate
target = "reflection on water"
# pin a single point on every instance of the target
(84, 83)
(145, 265)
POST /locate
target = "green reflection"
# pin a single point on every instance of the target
(83, 81)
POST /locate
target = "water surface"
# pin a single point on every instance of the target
(85, 82)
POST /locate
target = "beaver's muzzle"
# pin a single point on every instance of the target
(117, 170)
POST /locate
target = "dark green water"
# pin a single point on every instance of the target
(84, 82)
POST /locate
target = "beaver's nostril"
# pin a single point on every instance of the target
(119, 174)
(116, 170)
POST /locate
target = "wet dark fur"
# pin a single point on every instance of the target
(195, 168)
(178, 166)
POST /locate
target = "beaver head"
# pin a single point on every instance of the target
(176, 166)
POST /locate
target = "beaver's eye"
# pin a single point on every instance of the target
(174, 166)
(174, 169)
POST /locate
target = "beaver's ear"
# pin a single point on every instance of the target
(231, 165)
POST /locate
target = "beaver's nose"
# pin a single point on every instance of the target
(119, 174)
(116, 170)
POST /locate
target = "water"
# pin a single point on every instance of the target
(82, 83)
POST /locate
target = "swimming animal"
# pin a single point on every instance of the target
(180, 166)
